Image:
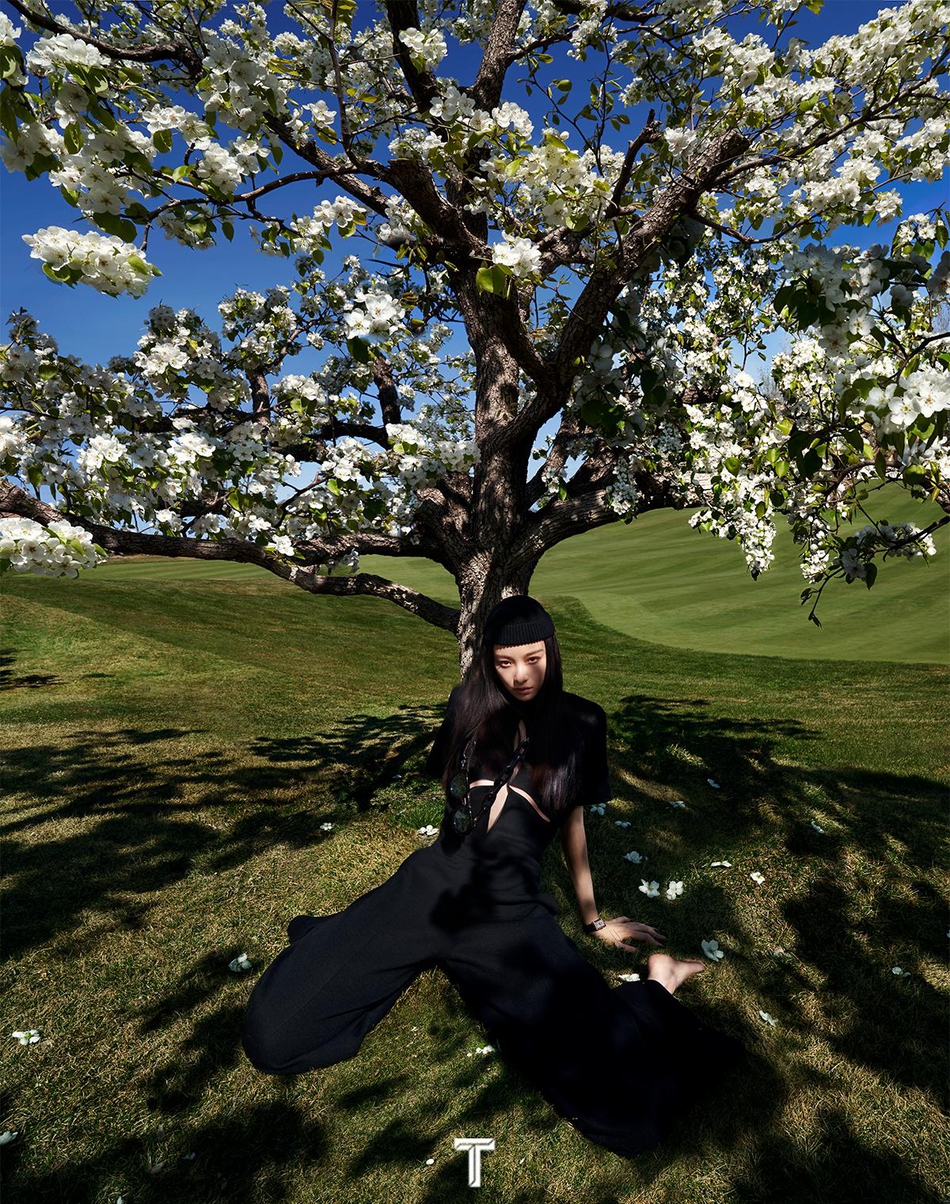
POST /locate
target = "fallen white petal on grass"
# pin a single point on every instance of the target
(818, 827)
(725, 864)
(325, 827)
(650, 889)
(622, 823)
(484, 1049)
(629, 977)
(428, 830)
(240, 964)
(598, 808)
(767, 1018)
(674, 890)
(757, 878)
(7, 1137)
(715, 785)
(677, 802)
(900, 972)
(430, 1161)
(27, 1036)
(634, 856)
(712, 951)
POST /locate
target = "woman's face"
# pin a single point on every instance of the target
(521, 670)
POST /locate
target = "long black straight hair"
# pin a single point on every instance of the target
(486, 712)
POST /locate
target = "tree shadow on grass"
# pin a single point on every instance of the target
(139, 789)
(254, 1155)
(23, 681)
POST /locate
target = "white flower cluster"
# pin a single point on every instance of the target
(238, 79)
(858, 549)
(421, 453)
(104, 261)
(519, 255)
(63, 50)
(58, 550)
(375, 315)
(427, 49)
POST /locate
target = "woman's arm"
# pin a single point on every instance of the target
(574, 844)
(616, 931)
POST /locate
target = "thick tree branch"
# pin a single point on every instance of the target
(403, 15)
(310, 152)
(387, 391)
(486, 91)
(14, 500)
(179, 52)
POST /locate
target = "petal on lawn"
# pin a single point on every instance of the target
(725, 864)
(629, 977)
(712, 951)
(757, 878)
(677, 802)
(715, 785)
(7, 1137)
(767, 1018)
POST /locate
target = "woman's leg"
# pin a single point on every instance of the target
(320, 997)
(609, 1059)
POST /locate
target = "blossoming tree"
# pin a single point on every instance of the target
(579, 221)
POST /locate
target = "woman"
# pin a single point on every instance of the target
(520, 758)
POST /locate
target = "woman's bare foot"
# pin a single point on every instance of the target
(669, 972)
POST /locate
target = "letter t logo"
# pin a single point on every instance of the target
(475, 1147)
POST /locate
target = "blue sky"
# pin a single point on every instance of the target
(94, 326)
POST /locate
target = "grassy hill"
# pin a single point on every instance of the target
(659, 580)
(177, 737)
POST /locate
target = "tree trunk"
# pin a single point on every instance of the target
(483, 581)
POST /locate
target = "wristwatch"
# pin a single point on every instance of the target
(595, 926)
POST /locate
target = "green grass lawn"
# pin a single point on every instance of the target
(175, 738)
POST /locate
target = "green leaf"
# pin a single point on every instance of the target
(63, 275)
(915, 474)
(810, 462)
(360, 350)
(871, 574)
(602, 416)
(494, 279)
(163, 141)
(113, 224)
(72, 137)
(334, 486)
(732, 464)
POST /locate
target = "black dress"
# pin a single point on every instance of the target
(617, 1062)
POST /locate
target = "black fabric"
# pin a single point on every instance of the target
(586, 718)
(618, 1062)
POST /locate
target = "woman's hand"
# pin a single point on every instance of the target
(622, 929)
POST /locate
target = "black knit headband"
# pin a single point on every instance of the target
(518, 620)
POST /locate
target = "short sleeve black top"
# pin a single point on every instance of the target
(590, 723)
